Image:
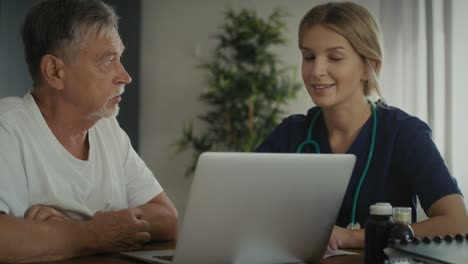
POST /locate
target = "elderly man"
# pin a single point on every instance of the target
(70, 182)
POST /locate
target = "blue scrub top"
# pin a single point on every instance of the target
(405, 163)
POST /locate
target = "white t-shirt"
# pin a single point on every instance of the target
(36, 169)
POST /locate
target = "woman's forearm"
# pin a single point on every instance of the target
(441, 225)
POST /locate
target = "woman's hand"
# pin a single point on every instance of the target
(346, 238)
(335, 242)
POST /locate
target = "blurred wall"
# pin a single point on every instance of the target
(459, 93)
(14, 75)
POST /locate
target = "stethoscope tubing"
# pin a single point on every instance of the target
(314, 143)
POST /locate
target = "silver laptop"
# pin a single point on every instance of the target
(259, 208)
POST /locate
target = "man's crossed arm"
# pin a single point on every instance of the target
(45, 234)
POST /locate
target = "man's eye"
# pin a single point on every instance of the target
(109, 61)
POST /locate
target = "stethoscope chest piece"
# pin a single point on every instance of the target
(354, 226)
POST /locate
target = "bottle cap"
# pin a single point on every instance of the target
(381, 209)
(402, 215)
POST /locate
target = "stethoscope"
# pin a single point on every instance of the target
(353, 224)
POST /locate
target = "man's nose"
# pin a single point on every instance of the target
(123, 77)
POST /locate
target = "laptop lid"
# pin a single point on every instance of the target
(262, 207)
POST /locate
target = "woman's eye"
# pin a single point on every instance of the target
(335, 58)
(308, 58)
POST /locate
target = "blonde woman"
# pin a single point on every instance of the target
(397, 160)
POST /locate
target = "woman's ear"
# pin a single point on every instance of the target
(376, 66)
(52, 71)
(368, 66)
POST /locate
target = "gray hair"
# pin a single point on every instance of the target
(58, 27)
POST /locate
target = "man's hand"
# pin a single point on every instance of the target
(162, 215)
(43, 213)
(346, 238)
(121, 230)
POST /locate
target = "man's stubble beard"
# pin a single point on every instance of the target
(106, 112)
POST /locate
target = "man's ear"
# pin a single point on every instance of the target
(53, 71)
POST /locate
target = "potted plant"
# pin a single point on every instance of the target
(247, 86)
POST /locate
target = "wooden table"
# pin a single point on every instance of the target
(119, 259)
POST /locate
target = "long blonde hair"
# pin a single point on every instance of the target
(355, 24)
